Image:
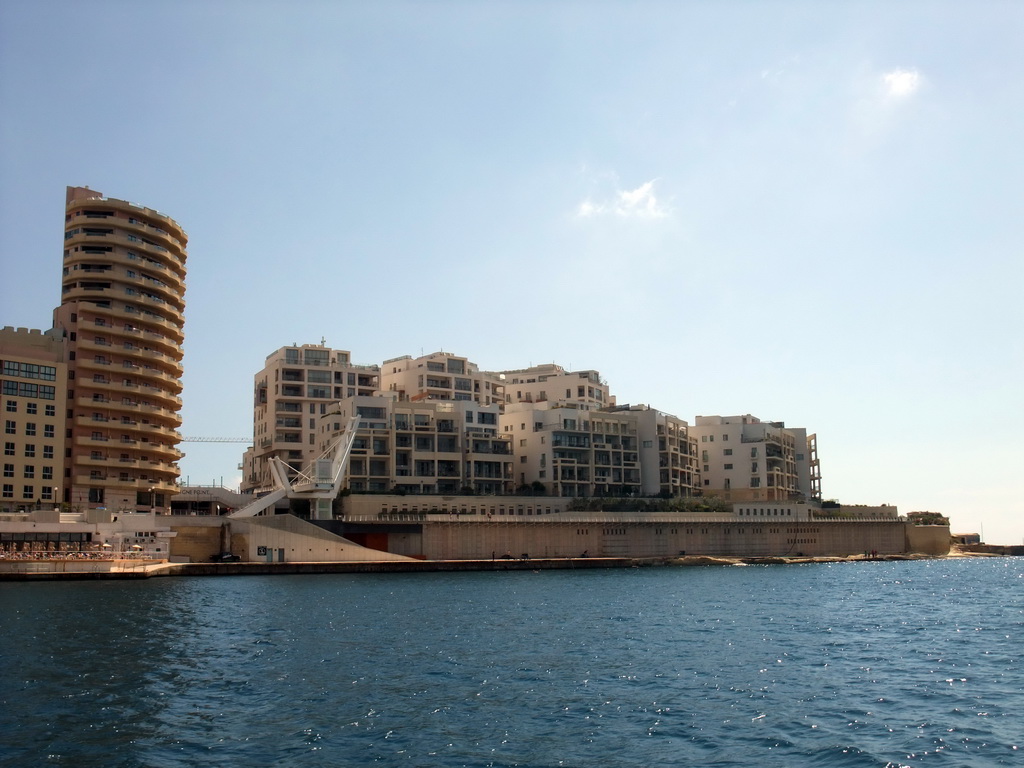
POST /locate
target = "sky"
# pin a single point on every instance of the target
(809, 212)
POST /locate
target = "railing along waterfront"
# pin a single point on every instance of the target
(599, 517)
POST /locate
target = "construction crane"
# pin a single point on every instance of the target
(216, 439)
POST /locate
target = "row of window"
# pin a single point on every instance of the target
(29, 472)
(31, 408)
(28, 492)
(30, 450)
(29, 370)
(11, 428)
(27, 389)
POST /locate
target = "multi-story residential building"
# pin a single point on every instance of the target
(668, 454)
(297, 386)
(122, 315)
(440, 376)
(745, 459)
(571, 450)
(422, 446)
(552, 383)
(34, 384)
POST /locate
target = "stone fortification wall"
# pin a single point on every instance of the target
(370, 506)
(197, 540)
(478, 540)
(928, 539)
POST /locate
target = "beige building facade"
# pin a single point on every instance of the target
(743, 458)
(34, 384)
(122, 316)
(440, 376)
(552, 383)
(422, 447)
(296, 388)
(567, 449)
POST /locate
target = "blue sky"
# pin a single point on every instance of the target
(806, 211)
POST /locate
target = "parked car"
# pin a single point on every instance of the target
(225, 557)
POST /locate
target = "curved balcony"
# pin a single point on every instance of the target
(112, 480)
(167, 418)
(82, 293)
(151, 321)
(76, 209)
(168, 452)
(166, 345)
(145, 229)
(173, 283)
(88, 441)
(97, 423)
(171, 401)
(153, 374)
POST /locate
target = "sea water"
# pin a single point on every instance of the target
(845, 664)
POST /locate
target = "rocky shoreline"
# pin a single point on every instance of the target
(778, 560)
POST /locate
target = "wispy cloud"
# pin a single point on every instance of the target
(901, 83)
(639, 203)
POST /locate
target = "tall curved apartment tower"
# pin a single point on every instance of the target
(122, 314)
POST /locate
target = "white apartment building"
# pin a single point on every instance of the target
(440, 376)
(745, 459)
(552, 383)
(297, 386)
(572, 451)
(425, 446)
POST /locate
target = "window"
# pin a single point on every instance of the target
(725, 437)
(28, 491)
(11, 428)
(47, 451)
(12, 406)
(8, 491)
(30, 451)
(8, 449)
(8, 470)
(30, 471)
(30, 428)
(728, 466)
(31, 408)
(47, 473)
(727, 452)
(648, 443)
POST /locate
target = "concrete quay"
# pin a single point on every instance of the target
(142, 571)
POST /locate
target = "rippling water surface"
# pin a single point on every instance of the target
(853, 664)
